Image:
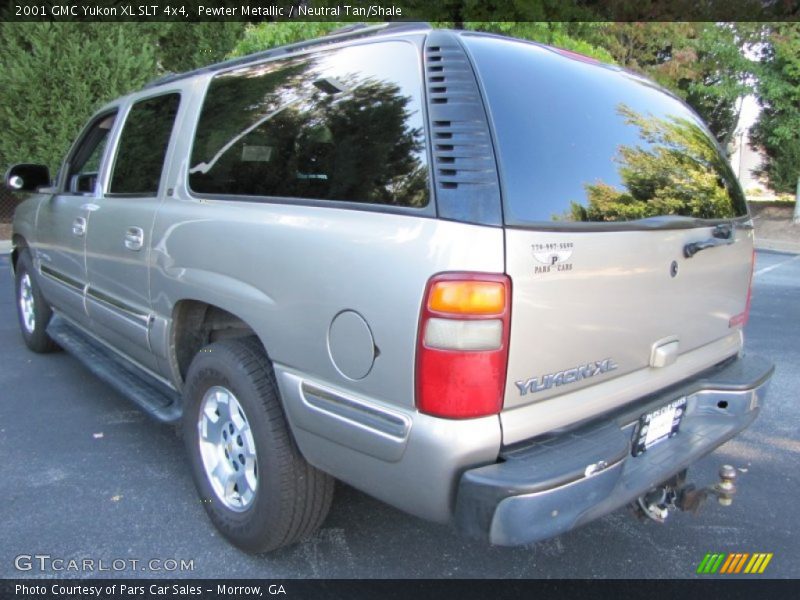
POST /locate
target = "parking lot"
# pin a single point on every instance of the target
(84, 474)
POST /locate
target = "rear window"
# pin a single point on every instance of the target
(584, 143)
(343, 125)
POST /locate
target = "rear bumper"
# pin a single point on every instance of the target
(551, 486)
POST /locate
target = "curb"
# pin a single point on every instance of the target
(778, 246)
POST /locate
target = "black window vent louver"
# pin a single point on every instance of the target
(464, 170)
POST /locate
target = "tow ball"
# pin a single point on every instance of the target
(677, 494)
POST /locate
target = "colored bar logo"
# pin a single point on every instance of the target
(735, 562)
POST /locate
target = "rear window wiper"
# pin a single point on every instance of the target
(722, 236)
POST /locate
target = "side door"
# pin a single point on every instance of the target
(118, 244)
(63, 220)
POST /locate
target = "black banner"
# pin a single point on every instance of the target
(406, 10)
(205, 589)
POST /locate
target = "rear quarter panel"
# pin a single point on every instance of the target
(288, 270)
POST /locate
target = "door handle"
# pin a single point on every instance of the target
(689, 250)
(79, 227)
(723, 236)
(134, 238)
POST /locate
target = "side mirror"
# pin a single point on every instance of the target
(27, 177)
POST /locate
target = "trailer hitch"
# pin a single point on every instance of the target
(677, 494)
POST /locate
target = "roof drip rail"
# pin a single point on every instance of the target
(355, 30)
(164, 79)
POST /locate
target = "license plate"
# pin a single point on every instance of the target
(659, 425)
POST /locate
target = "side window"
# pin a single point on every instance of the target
(84, 163)
(342, 125)
(143, 146)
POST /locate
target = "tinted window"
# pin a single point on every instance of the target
(579, 142)
(143, 146)
(84, 164)
(343, 125)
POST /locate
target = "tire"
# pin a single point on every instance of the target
(33, 311)
(279, 498)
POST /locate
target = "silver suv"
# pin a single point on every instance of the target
(489, 282)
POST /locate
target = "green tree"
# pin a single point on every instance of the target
(778, 90)
(703, 63)
(723, 74)
(269, 35)
(186, 46)
(53, 77)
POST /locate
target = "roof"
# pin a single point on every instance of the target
(355, 31)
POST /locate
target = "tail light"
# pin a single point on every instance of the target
(742, 317)
(462, 345)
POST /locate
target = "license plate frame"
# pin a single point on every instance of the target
(658, 425)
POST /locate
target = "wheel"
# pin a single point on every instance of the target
(33, 311)
(255, 485)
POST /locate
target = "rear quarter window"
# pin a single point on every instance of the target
(588, 143)
(342, 125)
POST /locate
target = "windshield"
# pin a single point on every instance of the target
(585, 143)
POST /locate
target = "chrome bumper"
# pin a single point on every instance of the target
(551, 486)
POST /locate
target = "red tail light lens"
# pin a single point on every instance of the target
(462, 345)
(742, 318)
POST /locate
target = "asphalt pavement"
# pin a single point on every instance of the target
(85, 475)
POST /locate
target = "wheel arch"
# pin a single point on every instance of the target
(196, 323)
(18, 244)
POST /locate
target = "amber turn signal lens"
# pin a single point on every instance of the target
(468, 297)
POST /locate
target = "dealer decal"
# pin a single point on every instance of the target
(553, 257)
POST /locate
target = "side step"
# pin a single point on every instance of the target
(154, 397)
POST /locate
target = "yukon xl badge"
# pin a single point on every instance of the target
(545, 382)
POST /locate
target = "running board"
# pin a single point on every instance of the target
(152, 396)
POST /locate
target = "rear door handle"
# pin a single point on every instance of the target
(689, 250)
(723, 236)
(79, 227)
(134, 238)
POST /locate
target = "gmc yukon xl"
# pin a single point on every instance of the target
(492, 283)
